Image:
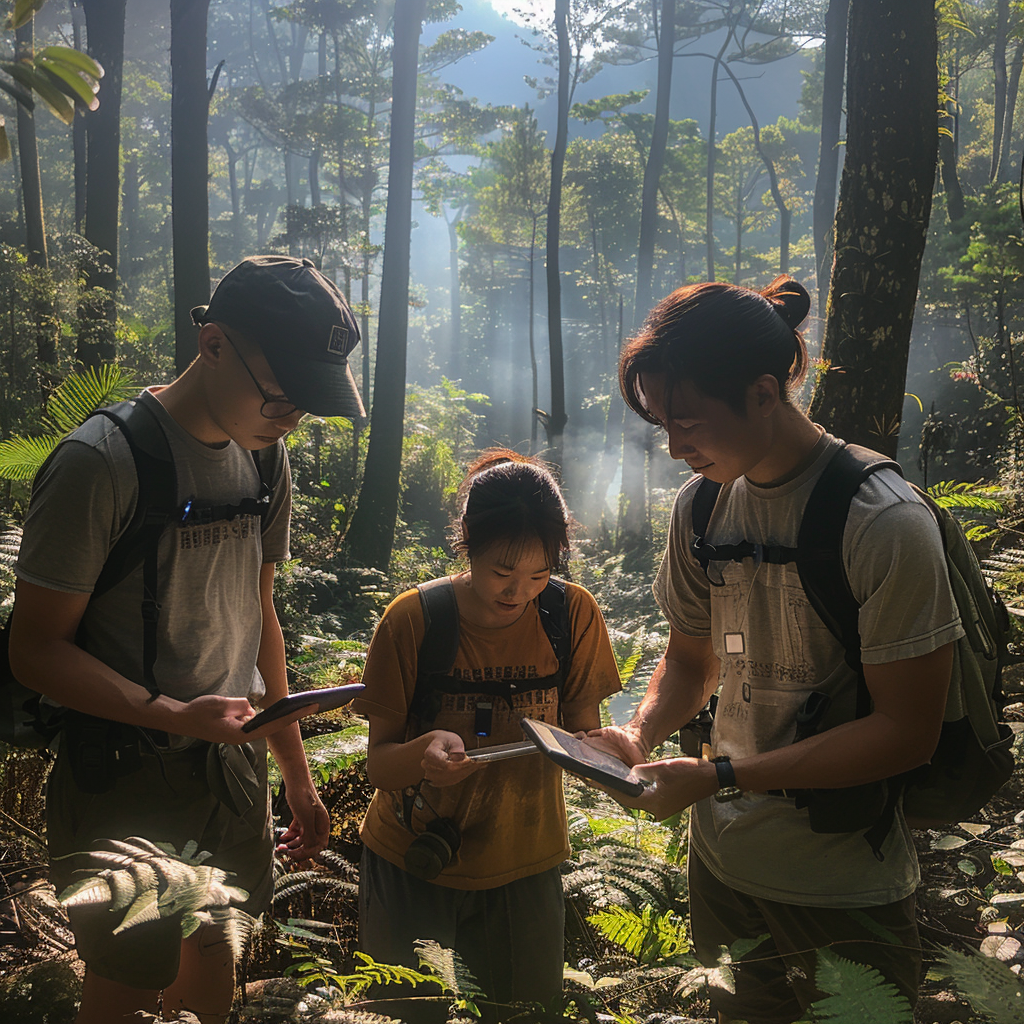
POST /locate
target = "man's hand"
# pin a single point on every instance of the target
(672, 785)
(622, 742)
(444, 761)
(310, 829)
(220, 720)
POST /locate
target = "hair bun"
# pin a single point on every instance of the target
(790, 300)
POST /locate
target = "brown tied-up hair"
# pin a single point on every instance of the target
(509, 500)
(721, 338)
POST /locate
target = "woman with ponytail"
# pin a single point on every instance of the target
(460, 850)
(717, 367)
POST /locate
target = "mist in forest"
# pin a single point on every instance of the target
(297, 149)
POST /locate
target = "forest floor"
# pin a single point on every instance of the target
(40, 975)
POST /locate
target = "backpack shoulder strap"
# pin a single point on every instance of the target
(554, 617)
(440, 643)
(820, 545)
(155, 509)
(700, 514)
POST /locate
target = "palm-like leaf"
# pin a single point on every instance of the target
(81, 394)
(21, 457)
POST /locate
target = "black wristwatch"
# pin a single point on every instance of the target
(727, 788)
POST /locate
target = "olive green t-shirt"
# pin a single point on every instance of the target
(774, 650)
(208, 572)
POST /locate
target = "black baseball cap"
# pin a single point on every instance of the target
(302, 324)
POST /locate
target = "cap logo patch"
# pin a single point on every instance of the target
(338, 344)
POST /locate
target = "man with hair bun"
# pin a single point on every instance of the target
(717, 367)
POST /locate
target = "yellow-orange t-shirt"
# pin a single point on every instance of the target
(511, 814)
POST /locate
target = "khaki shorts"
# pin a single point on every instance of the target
(774, 982)
(172, 805)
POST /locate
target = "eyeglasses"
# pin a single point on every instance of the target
(272, 408)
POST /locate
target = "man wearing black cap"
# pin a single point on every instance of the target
(273, 346)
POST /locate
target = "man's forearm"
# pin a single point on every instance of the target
(676, 692)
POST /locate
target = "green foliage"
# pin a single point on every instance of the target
(856, 993)
(608, 872)
(150, 881)
(71, 403)
(988, 985)
(648, 935)
(438, 967)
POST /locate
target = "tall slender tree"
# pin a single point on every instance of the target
(104, 24)
(190, 157)
(371, 535)
(882, 220)
(633, 503)
(556, 418)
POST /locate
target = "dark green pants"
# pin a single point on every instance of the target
(775, 980)
(509, 937)
(172, 805)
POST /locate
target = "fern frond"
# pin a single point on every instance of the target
(987, 984)
(81, 393)
(447, 967)
(856, 993)
(648, 936)
(958, 495)
(151, 883)
(21, 457)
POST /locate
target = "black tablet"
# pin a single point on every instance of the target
(317, 701)
(582, 759)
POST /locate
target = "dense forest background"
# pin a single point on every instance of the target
(549, 178)
(503, 190)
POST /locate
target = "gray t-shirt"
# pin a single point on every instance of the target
(774, 650)
(210, 618)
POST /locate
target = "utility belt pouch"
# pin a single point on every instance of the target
(695, 737)
(99, 751)
(851, 809)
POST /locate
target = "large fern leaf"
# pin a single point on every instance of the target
(448, 968)
(856, 993)
(987, 984)
(81, 393)
(149, 882)
(21, 457)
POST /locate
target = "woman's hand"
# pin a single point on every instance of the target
(444, 761)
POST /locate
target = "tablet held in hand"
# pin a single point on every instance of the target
(578, 757)
(314, 702)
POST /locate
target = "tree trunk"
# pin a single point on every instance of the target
(78, 130)
(882, 220)
(633, 504)
(1006, 157)
(190, 156)
(455, 297)
(947, 162)
(999, 76)
(104, 22)
(836, 19)
(130, 194)
(535, 393)
(557, 418)
(371, 535)
(28, 160)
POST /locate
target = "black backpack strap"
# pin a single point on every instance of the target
(155, 508)
(554, 617)
(441, 642)
(820, 550)
(439, 646)
(703, 505)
